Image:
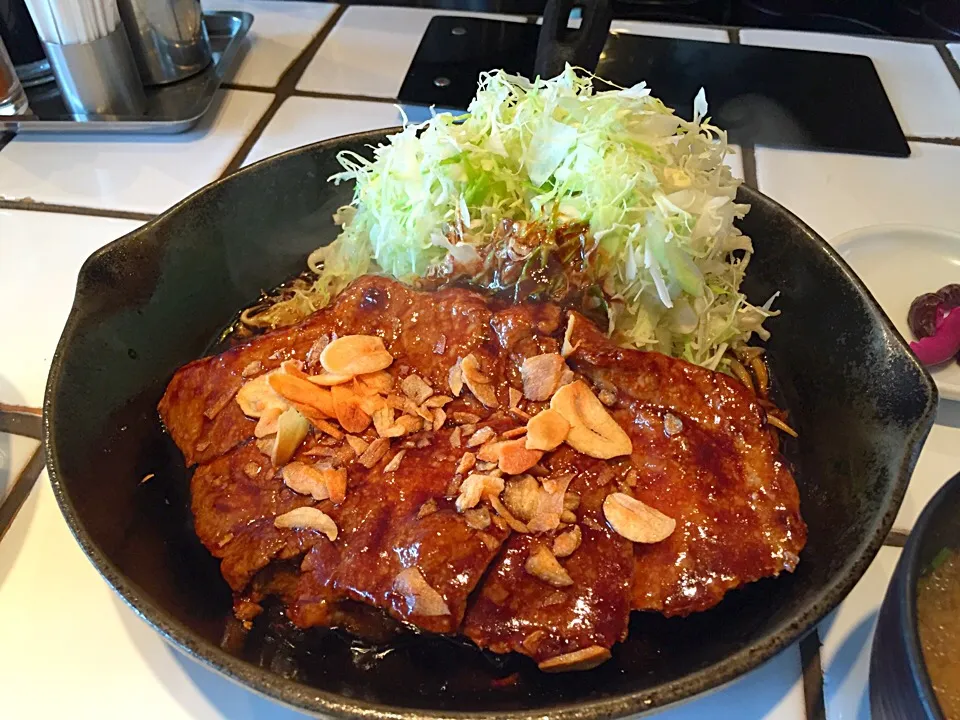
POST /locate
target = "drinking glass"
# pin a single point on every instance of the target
(13, 101)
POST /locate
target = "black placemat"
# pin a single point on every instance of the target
(764, 96)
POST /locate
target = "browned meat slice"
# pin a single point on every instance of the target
(392, 521)
(429, 334)
(713, 465)
(516, 611)
(236, 496)
(234, 500)
(702, 454)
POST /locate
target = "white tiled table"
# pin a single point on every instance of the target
(107, 663)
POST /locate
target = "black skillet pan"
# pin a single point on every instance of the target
(160, 297)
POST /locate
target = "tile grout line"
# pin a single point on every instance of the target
(896, 538)
(811, 665)
(284, 89)
(247, 88)
(733, 33)
(749, 159)
(343, 96)
(934, 140)
(34, 206)
(21, 489)
(950, 61)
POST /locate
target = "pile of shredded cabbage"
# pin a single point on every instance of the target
(651, 187)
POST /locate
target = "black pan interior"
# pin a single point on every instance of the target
(155, 300)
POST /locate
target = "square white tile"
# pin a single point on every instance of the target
(939, 461)
(835, 193)
(923, 94)
(280, 32)
(669, 30)
(954, 49)
(370, 50)
(303, 120)
(847, 637)
(774, 691)
(137, 173)
(41, 252)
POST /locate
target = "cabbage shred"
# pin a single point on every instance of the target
(651, 187)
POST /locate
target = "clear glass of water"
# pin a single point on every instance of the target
(13, 101)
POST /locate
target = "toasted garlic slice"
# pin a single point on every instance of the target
(416, 388)
(567, 348)
(541, 376)
(395, 461)
(257, 396)
(308, 518)
(383, 421)
(355, 355)
(546, 430)
(455, 379)
(636, 521)
(301, 391)
(566, 544)
(593, 431)
(380, 382)
(520, 495)
(350, 414)
(320, 484)
(374, 452)
(489, 452)
(477, 518)
(405, 425)
(305, 480)
(467, 461)
(329, 379)
(292, 428)
(252, 369)
(437, 401)
(584, 659)
(478, 383)
(357, 444)
(475, 487)
(421, 599)
(549, 510)
(514, 458)
(542, 564)
(267, 425)
(481, 436)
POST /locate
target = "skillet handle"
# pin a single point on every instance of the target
(559, 45)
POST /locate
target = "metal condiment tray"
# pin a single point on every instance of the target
(172, 108)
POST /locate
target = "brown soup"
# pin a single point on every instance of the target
(938, 616)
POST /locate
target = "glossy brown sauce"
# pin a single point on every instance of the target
(308, 655)
(938, 617)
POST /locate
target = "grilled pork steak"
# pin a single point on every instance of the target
(441, 515)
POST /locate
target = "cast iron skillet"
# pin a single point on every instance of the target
(158, 297)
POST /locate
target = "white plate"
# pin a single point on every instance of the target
(899, 262)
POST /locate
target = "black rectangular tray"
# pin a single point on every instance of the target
(762, 96)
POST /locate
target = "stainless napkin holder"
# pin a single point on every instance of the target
(98, 77)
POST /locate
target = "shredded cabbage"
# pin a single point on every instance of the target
(651, 187)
